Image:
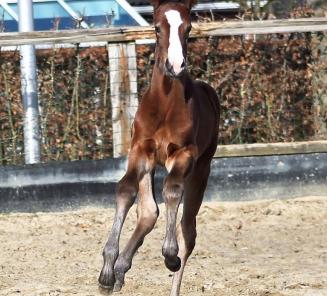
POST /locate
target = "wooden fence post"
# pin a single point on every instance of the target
(123, 94)
(319, 83)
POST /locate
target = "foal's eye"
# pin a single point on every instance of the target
(157, 28)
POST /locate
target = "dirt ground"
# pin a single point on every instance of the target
(254, 248)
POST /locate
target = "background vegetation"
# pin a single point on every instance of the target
(272, 88)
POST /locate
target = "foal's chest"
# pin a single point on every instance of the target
(168, 121)
(179, 132)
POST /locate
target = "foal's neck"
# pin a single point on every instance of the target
(165, 87)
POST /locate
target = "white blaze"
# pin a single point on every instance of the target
(175, 50)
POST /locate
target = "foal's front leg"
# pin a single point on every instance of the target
(147, 214)
(178, 164)
(140, 161)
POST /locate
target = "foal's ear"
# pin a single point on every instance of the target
(190, 3)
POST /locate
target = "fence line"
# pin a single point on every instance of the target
(123, 78)
(259, 149)
(124, 34)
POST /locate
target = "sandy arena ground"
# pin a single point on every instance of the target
(255, 248)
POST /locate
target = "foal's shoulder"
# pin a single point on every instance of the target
(206, 90)
(204, 85)
(197, 85)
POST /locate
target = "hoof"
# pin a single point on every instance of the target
(120, 279)
(105, 290)
(106, 279)
(173, 264)
(118, 286)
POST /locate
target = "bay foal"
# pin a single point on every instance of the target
(176, 126)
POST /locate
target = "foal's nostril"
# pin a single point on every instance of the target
(174, 69)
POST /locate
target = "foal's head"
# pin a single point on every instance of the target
(172, 24)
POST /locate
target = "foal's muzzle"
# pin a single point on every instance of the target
(174, 70)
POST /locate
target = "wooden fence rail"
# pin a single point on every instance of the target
(115, 35)
(262, 149)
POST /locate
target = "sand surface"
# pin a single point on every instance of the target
(255, 248)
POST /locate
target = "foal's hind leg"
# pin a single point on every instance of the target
(195, 186)
(147, 214)
(140, 162)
